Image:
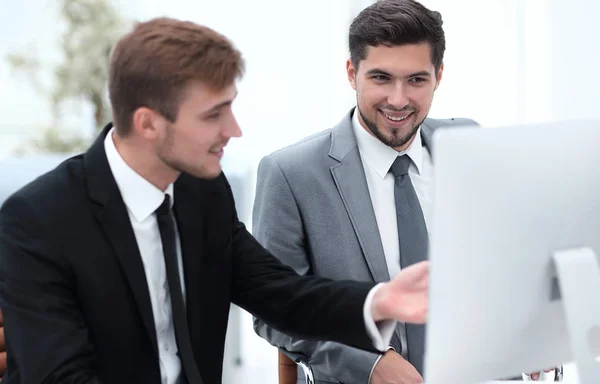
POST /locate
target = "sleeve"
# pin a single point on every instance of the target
(277, 224)
(44, 328)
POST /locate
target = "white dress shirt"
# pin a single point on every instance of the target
(377, 159)
(142, 199)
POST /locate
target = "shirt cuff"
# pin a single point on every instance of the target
(382, 332)
(377, 361)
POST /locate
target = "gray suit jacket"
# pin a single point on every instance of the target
(313, 211)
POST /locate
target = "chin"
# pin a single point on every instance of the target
(208, 174)
(212, 176)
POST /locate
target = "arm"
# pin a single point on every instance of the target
(277, 224)
(301, 306)
(306, 307)
(44, 328)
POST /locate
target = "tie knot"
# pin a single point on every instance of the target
(400, 166)
(165, 207)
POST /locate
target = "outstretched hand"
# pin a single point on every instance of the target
(535, 376)
(406, 297)
(394, 369)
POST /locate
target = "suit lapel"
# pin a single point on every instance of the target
(114, 220)
(116, 224)
(189, 226)
(352, 185)
(349, 178)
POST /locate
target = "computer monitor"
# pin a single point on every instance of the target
(516, 215)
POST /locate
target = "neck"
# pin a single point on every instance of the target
(144, 162)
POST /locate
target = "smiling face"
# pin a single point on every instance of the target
(194, 143)
(394, 90)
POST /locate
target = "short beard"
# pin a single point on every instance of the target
(394, 142)
(167, 153)
(169, 157)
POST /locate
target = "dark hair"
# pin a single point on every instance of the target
(396, 22)
(152, 65)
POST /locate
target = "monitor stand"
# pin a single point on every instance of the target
(577, 284)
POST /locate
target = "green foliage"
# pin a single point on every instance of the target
(92, 27)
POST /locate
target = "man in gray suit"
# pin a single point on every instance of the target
(327, 205)
(353, 202)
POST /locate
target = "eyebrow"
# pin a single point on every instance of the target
(376, 71)
(220, 105)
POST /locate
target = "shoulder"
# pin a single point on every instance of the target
(48, 191)
(40, 214)
(304, 151)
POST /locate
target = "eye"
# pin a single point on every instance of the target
(418, 80)
(380, 78)
(213, 116)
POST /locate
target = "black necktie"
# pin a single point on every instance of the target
(414, 243)
(166, 226)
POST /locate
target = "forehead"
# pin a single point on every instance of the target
(398, 59)
(200, 94)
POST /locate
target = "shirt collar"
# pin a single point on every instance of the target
(140, 196)
(380, 156)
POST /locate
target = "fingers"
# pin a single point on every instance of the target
(420, 268)
(536, 375)
(417, 275)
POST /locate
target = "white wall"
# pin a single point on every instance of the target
(507, 61)
(296, 85)
(573, 62)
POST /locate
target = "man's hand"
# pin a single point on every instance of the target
(2, 349)
(393, 369)
(535, 376)
(405, 298)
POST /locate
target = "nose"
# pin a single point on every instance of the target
(397, 96)
(231, 128)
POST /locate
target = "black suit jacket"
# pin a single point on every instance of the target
(74, 294)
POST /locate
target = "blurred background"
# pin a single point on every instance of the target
(507, 62)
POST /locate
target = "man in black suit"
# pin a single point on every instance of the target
(119, 265)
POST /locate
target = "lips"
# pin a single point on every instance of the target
(218, 148)
(396, 117)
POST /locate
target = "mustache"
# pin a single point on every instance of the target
(391, 108)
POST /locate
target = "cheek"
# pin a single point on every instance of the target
(423, 96)
(371, 96)
(201, 144)
(196, 147)
(195, 138)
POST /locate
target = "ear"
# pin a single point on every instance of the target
(438, 76)
(351, 71)
(147, 123)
